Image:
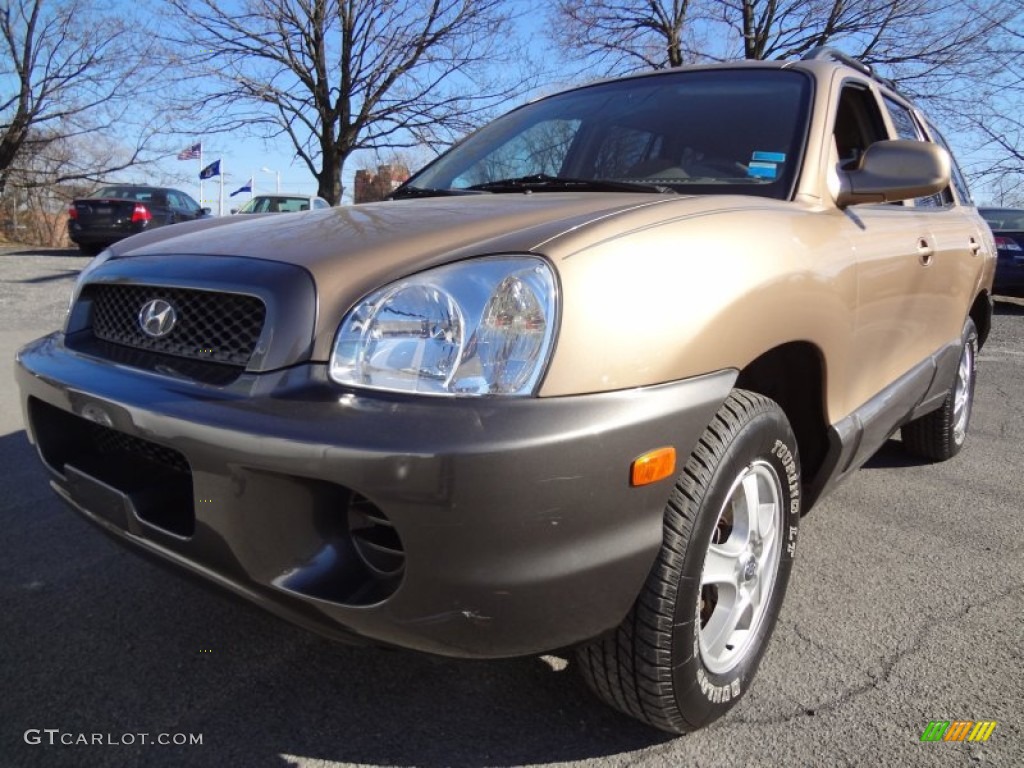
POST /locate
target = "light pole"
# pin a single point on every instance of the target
(277, 174)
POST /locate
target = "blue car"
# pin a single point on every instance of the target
(1008, 227)
(117, 211)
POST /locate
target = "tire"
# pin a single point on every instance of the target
(940, 435)
(671, 663)
(89, 249)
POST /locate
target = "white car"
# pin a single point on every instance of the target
(282, 203)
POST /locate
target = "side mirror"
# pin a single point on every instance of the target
(206, 211)
(889, 171)
(234, 211)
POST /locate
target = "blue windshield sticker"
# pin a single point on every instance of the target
(769, 157)
(762, 170)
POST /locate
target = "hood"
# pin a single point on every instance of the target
(399, 234)
(353, 250)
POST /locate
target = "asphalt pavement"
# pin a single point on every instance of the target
(906, 606)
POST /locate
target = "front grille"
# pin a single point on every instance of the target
(215, 374)
(112, 444)
(211, 326)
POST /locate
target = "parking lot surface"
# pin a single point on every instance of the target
(906, 606)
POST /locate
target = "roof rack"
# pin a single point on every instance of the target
(824, 52)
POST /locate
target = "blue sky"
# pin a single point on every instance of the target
(243, 158)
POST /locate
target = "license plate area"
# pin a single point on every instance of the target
(97, 497)
(117, 476)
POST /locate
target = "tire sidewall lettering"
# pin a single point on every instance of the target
(721, 690)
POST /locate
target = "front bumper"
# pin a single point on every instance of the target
(518, 528)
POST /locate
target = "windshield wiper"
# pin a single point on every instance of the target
(546, 183)
(401, 192)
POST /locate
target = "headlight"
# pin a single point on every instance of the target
(478, 327)
(91, 267)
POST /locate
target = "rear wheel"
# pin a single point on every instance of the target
(692, 642)
(940, 435)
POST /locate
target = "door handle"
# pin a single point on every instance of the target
(924, 251)
(975, 246)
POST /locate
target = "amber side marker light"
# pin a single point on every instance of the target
(653, 466)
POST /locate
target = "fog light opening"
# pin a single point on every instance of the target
(374, 537)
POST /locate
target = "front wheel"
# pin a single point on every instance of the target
(940, 435)
(692, 642)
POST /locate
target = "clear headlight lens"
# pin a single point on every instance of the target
(478, 327)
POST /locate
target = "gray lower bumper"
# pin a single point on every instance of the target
(519, 529)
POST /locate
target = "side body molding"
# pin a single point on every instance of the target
(857, 437)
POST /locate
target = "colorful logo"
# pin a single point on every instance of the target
(958, 730)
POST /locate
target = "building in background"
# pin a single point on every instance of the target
(371, 186)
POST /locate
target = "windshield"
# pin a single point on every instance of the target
(271, 204)
(738, 131)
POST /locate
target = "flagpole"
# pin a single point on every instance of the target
(202, 203)
(252, 186)
(221, 203)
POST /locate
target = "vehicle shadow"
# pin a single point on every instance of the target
(101, 641)
(1004, 305)
(67, 274)
(43, 252)
(892, 455)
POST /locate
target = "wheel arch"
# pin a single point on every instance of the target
(793, 375)
(981, 314)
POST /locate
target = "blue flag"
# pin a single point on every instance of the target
(247, 187)
(213, 169)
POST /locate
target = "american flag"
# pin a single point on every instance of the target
(192, 153)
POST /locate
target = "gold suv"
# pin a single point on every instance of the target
(572, 387)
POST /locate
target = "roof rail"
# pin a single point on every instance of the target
(824, 52)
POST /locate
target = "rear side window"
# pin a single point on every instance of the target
(183, 202)
(291, 204)
(903, 120)
(959, 182)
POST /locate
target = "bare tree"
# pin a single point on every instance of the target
(337, 76)
(624, 35)
(872, 30)
(69, 68)
(994, 113)
(962, 59)
(919, 36)
(43, 182)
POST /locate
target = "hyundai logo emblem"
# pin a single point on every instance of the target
(157, 318)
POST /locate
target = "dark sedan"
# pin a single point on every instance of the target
(1008, 226)
(115, 212)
